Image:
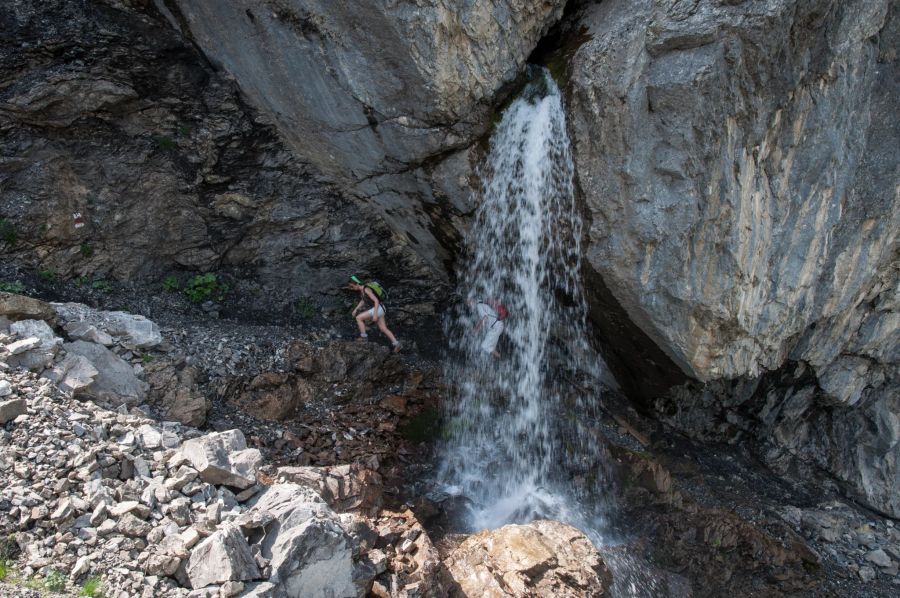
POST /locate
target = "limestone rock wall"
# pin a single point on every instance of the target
(384, 97)
(738, 161)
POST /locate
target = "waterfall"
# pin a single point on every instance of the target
(518, 440)
(508, 438)
(518, 428)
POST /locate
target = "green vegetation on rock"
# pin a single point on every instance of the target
(205, 287)
(92, 588)
(15, 286)
(55, 581)
(170, 284)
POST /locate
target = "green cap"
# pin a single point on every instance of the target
(355, 279)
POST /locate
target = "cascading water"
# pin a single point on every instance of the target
(508, 437)
(518, 426)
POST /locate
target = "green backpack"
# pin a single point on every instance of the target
(377, 289)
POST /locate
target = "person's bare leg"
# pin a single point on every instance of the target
(382, 326)
(361, 323)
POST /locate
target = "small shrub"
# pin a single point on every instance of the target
(146, 358)
(92, 588)
(7, 231)
(305, 309)
(86, 249)
(47, 275)
(5, 567)
(165, 142)
(12, 287)
(100, 285)
(205, 287)
(55, 581)
(171, 284)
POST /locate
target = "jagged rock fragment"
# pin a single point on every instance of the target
(223, 458)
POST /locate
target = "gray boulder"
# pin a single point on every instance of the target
(224, 556)
(115, 380)
(72, 374)
(223, 458)
(10, 410)
(36, 357)
(131, 330)
(733, 204)
(309, 552)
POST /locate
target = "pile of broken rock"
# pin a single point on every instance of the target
(104, 356)
(91, 485)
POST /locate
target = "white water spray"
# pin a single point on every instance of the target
(507, 448)
(519, 445)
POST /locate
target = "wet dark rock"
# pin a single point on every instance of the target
(127, 157)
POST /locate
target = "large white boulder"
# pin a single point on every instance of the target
(309, 552)
(131, 330)
(223, 458)
(36, 357)
(224, 556)
(115, 380)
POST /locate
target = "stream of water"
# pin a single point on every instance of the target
(508, 437)
(517, 428)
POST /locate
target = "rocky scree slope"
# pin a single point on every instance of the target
(93, 484)
(162, 509)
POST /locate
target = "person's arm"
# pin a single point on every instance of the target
(358, 307)
(374, 298)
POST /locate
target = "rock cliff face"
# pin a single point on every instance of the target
(124, 154)
(738, 162)
(384, 97)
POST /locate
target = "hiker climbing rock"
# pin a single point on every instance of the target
(371, 303)
(491, 314)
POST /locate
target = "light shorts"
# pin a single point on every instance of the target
(493, 327)
(371, 312)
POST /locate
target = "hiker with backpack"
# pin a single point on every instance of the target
(371, 307)
(491, 314)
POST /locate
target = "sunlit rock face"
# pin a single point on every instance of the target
(738, 160)
(384, 97)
